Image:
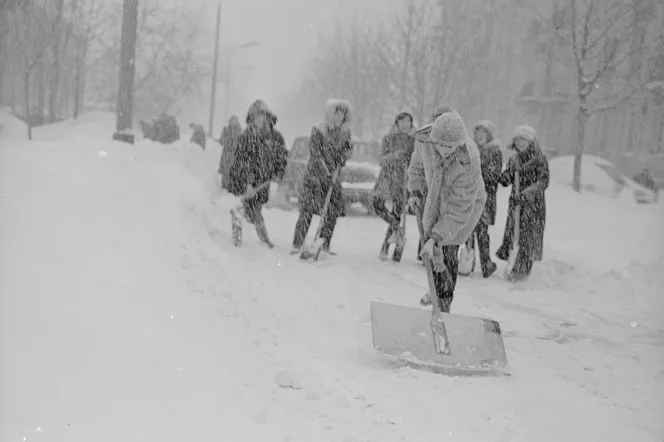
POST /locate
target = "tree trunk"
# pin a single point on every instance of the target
(79, 80)
(55, 74)
(125, 108)
(26, 110)
(581, 119)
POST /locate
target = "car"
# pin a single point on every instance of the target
(358, 177)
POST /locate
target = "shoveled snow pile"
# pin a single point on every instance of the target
(126, 314)
(11, 128)
(596, 178)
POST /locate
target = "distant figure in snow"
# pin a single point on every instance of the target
(492, 163)
(228, 140)
(261, 156)
(446, 187)
(330, 147)
(645, 179)
(533, 168)
(198, 136)
(397, 149)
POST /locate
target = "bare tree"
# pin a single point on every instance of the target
(602, 39)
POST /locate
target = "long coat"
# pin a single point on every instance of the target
(260, 157)
(397, 150)
(328, 150)
(533, 170)
(454, 190)
(492, 164)
(229, 140)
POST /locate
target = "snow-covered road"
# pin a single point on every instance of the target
(125, 314)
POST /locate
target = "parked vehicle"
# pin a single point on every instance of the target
(358, 177)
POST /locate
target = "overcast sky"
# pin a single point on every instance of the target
(287, 31)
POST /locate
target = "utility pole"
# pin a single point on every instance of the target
(228, 88)
(213, 98)
(125, 106)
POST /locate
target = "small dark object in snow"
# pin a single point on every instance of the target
(162, 129)
(198, 136)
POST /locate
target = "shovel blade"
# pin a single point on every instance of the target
(405, 333)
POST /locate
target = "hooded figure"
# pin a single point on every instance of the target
(198, 136)
(397, 149)
(330, 147)
(446, 167)
(533, 168)
(423, 132)
(492, 163)
(261, 156)
(228, 140)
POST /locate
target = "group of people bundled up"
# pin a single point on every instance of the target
(438, 172)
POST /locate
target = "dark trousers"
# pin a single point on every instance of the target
(302, 228)
(523, 264)
(253, 213)
(445, 282)
(483, 243)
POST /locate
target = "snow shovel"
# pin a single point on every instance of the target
(236, 217)
(435, 339)
(511, 260)
(313, 251)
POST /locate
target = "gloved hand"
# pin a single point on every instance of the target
(521, 199)
(415, 202)
(434, 254)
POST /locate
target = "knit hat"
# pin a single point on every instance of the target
(449, 130)
(526, 132)
(440, 110)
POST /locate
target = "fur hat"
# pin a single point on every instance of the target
(259, 107)
(334, 104)
(449, 130)
(526, 132)
(488, 127)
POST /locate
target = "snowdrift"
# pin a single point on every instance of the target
(126, 314)
(12, 128)
(596, 177)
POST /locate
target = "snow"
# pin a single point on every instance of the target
(11, 128)
(594, 179)
(371, 168)
(126, 314)
(359, 186)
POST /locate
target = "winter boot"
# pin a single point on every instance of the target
(489, 269)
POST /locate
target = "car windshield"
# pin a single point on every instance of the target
(365, 152)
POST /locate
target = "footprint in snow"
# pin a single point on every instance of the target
(286, 379)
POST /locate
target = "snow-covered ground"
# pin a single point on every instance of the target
(126, 314)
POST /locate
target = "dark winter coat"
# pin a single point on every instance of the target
(261, 156)
(229, 140)
(397, 149)
(198, 136)
(492, 163)
(329, 149)
(533, 170)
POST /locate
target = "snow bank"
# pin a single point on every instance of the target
(11, 128)
(595, 179)
(126, 314)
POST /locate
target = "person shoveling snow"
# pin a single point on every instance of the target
(261, 156)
